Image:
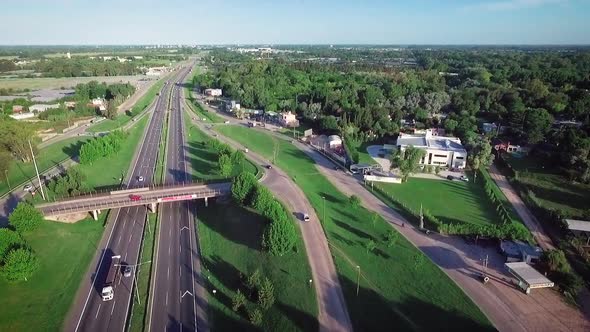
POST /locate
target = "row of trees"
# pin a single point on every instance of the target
(230, 161)
(102, 147)
(257, 289)
(80, 67)
(280, 234)
(69, 184)
(18, 262)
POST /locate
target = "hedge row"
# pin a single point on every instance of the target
(280, 234)
(102, 147)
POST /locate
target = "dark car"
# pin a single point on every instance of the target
(134, 197)
(268, 166)
(450, 177)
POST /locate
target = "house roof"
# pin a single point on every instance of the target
(529, 275)
(433, 142)
(578, 225)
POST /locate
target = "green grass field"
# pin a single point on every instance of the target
(400, 286)
(47, 157)
(64, 251)
(450, 201)
(64, 82)
(203, 159)
(230, 243)
(551, 188)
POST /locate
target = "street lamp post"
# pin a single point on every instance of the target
(324, 200)
(7, 181)
(358, 279)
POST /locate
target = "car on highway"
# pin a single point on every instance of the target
(134, 197)
(140, 178)
(305, 217)
(127, 270)
(28, 187)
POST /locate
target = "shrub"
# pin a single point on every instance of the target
(261, 199)
(266, 297)
(355, 201)
(436, 170)
(25, 217)
(242, 187)
(9, 240)
(238, 301)
(253, 281)
(225, 165)
(101, 147)
(20, 264)
(255, 317)
(279, 237)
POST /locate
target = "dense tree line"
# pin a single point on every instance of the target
(80, 67)
(102, 147)
(524, 90)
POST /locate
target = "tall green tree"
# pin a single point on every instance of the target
(408, 161)
(19, 265)
(25, 217)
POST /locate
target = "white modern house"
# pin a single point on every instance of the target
(213, 92)
(441, 151)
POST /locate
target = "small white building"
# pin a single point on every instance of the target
(213, 92)
(334, 141)
(38, 108)
(287, 119)
(442, 151)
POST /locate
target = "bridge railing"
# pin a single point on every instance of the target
(122, 201)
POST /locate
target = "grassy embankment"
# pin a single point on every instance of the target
(64, 251)
(399, 286)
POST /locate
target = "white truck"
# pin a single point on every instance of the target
(108, 292)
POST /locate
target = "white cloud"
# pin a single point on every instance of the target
(510, 5)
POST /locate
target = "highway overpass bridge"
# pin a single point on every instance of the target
(149, 196)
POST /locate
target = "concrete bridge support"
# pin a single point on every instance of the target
(152, 207)
(206, 202)
(95, 214)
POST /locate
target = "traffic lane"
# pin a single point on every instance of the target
(188, 315)
(96, 315)
(166, 303)
(124, 292)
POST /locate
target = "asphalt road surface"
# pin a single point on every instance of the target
(121, 237)
(177, 301)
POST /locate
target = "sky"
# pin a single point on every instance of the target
(92, 22)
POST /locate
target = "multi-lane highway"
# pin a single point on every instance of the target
(122, 237)
(177, 296)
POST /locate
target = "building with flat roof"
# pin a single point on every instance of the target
(213, 92)
(287, 119)
(518, 251)
(442, 151)
(38, 108)
(528, 277)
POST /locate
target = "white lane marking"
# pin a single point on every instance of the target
(125, 258)
(99, 266)
(168, 277)
(113, 309)
(97, 311)
(166, 298)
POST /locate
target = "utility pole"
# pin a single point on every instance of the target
(421, 218)
(37, 171)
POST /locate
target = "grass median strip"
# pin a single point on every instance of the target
(399, 285)
(139, 313)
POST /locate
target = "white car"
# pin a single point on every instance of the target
(226, 122)
(305, 217)
(140, 178)
(464, 178)
(28, 187)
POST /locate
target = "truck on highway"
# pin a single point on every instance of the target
(107, 290)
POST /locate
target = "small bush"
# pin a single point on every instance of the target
(266, 297)
(20, 264)
(238, 301)
(355, 201)
(255, 317)
(25, 217)
(9, 240)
